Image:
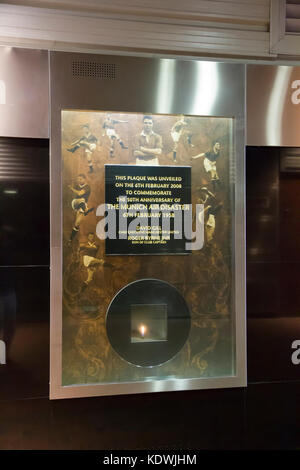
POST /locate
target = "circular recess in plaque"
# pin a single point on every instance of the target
(148, 322)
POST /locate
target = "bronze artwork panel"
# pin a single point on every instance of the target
(91, 279)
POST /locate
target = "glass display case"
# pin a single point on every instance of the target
(147, 290)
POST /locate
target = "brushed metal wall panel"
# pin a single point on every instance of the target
(24, 93)
(273, 105)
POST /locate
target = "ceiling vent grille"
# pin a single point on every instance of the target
(96, 70)
(292, 17)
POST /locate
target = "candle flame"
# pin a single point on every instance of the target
(142, 330)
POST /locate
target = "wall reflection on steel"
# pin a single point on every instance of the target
(278, 97)
(206, 87)
(165, 87)
(273, 106)
(2, 92)
(24, 202)
(273, 262)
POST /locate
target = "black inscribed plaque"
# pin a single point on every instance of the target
(147, 207)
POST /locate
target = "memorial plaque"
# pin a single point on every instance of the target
(148, 203)
(147, 261)
(147, 227)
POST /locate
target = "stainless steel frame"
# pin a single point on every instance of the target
(148, 86)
